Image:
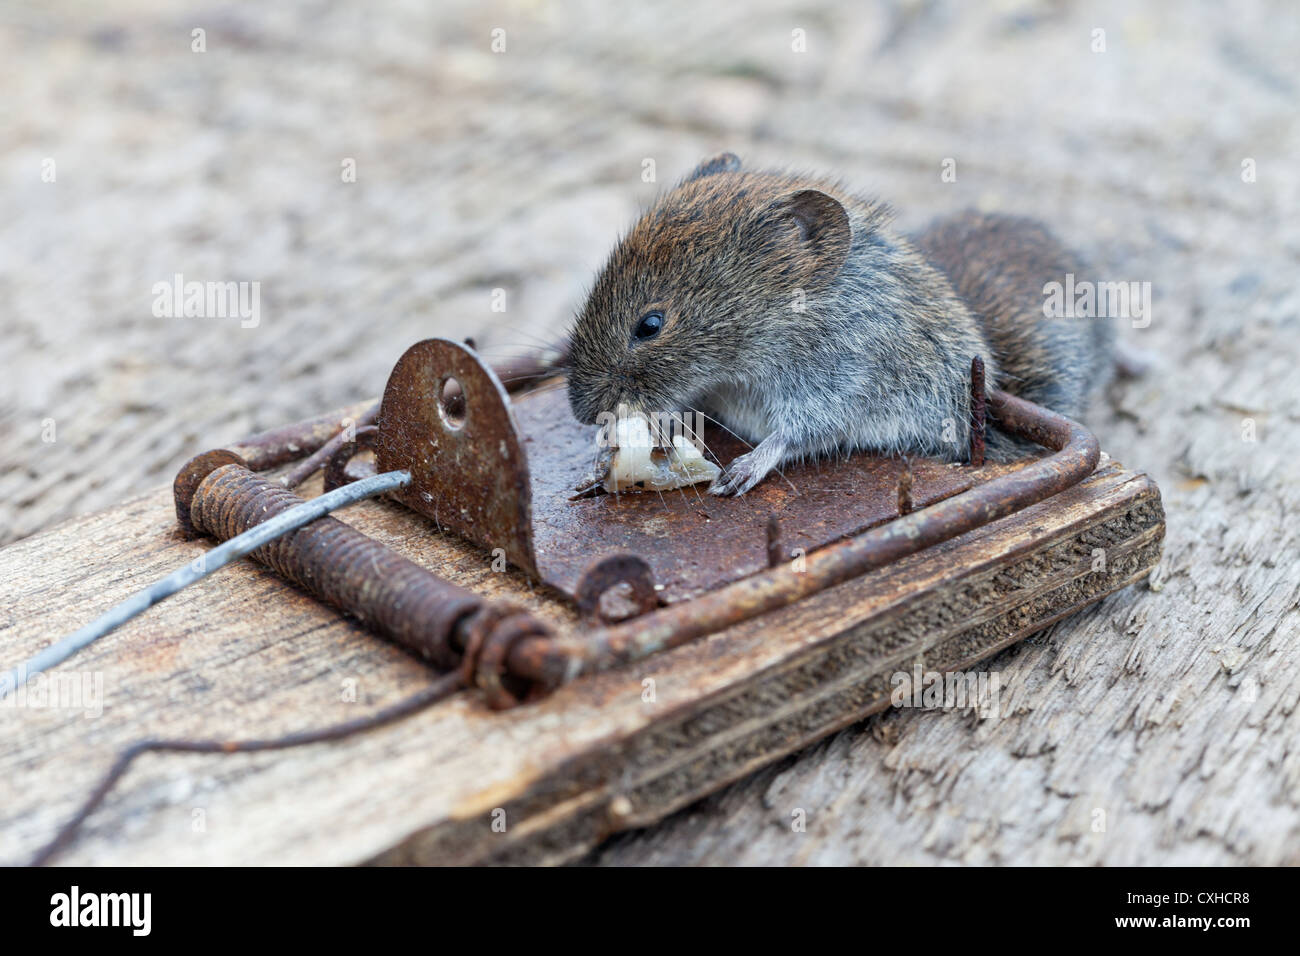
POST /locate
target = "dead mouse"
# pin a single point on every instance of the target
(788, 308)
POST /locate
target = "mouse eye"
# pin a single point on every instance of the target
(649, 326)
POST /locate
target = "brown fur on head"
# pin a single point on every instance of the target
(719, 257)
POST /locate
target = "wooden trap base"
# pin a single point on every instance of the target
(242, 654)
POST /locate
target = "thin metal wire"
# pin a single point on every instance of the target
(443, 687)
(201, 567)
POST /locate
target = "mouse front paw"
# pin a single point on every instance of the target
(746, 471)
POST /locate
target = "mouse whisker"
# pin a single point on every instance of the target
(539, 390)
(699, 498)
(539, 342)
(539, 377)
(700, 438)
(715, 421)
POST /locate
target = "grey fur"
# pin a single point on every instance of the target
(878, 358)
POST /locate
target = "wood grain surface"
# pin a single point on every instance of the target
(1158, 727)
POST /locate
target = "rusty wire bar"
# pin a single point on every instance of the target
(978, 411)
(279, 446)
(314, 462)
(905, 503)
(774, 553)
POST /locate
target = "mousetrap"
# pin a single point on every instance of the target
(617, 656)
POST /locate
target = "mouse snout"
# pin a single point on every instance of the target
(597, 395)
(583, 410)
(590, 396)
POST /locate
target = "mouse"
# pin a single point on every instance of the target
(789, 309)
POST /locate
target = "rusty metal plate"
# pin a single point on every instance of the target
(694, 541)
(461, 445)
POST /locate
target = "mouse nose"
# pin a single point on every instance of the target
(582, 401)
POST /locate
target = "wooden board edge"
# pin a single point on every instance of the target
(550, 827)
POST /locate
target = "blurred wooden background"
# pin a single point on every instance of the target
(1171, 710)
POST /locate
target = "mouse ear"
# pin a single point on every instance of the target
(722, 163)
(821, 233)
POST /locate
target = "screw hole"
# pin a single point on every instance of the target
(451, 404)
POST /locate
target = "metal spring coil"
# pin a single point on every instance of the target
(442, 623)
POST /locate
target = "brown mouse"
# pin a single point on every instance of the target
(787, 307)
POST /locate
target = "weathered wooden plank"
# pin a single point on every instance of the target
(1171, 708)
(243, 654)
